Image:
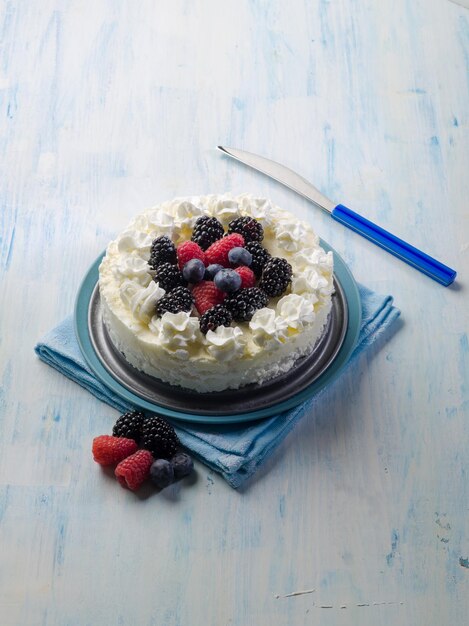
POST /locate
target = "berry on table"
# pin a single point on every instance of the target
(218, 251)
(245, 302)
(109, 450)
(134, 470)
(177, 300)
(190, 250)
(206, 231)
(182, 465)
(162, 250)
(217, 316)
(129, 425)
(227, 280)
(161, 473)
(260, 256)
(211, 270)
(276, 277)
(159, 437)
(193, 271)
(239, 256)
(168, 276)
(248, 227)
(206, 295)
(248, 278)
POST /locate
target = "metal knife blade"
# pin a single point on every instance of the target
(340, 213)
(282, 174)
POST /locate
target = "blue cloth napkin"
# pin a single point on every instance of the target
(236, 450)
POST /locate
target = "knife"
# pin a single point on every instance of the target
(399, 248)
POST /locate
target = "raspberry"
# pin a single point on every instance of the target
(247, 276)
(132, 471)
(276, 276)
(206, 295)
(215, 317)
(248, 227)
(190, 250)
(109, 450)
(218, 251)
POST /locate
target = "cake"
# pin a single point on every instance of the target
(215, 334)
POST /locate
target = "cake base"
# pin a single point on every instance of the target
(250, 397)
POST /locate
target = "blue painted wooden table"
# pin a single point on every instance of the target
(361, 516)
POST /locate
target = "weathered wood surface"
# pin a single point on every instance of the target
(108, 107)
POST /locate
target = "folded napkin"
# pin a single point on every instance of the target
(234, 450)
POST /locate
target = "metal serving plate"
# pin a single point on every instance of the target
(231, 402)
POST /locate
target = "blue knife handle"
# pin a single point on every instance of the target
(404, 251)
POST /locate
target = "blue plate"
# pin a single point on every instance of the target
(105, 365)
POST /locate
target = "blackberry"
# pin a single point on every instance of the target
(276, 277)
(129, 425)
(159, 437)
(206, 231)
(169, 277)
(162, 250)
(245, 302)
(179, 299)
(217, 316)
(248, 227)
(260, 256)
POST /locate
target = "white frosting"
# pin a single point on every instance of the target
(172, 347)
(131, 265)
(225, 343)
(141, 300)
(176, 332)
(267, 327)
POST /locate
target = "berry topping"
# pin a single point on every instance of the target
(227, 280)
(129, 425)
(162, 250)
(168, 276)
(276, 277)
(245, 302)
(248, 278)
(162, 473)
(109, 450)
(217, 316)
(206, 295)
(239, 256)
(211, 270)
(134, 470)
(182, 465)
(206, 231)
(193, 271)
(218, 251)
(189, 250)
(260, 256)
(248, 227)
(179, 299)
(159, 437)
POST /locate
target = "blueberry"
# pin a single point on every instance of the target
(193, 271)
(240, 256)
(211, 270)
(162, 473)
(182, 464)
(227, 280)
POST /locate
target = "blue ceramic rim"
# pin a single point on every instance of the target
(342, 274)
